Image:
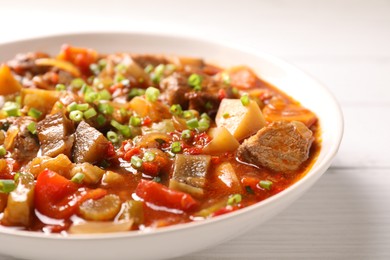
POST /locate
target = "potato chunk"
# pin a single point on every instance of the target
(40, 99)
(223, 141)
(102, 209)
(19, 210)
(8, 84)
(189, 173)
(241, 121)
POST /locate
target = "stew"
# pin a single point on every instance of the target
(94, 143)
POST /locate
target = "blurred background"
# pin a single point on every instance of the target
(345, 44)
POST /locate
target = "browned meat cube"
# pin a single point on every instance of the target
(54, 133)
(174, 90)
(19, 141)
(90, 145)
(280, 146)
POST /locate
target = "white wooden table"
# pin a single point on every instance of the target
(345, 44)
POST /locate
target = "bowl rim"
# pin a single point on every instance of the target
(322, 165)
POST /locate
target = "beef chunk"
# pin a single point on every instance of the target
(54, 133)
(145, 59)
(19, 141)
(280, 146)
(174, 90)
(90, 145)
(25, 63)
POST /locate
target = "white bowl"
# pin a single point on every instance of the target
(181, 239)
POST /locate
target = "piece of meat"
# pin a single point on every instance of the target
(280, 146)
(145, 59)
(19, 141)
(90, 145)
(174, 89)
(24, 63)
(54, 133)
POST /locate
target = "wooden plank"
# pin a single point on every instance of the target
(344, 216)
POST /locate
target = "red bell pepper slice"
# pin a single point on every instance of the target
(161, 195)
(57, 197)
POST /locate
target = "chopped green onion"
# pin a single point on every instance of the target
(35, 113)
(136, 161)
(234, 199)
(135, 92)
(100, 120)
(194, 80)
(208, 105)
(112, 136)
(32, 127)
(18, 100)
(249, 190)
(118, 78)
(94, 68)
(105, 95)
(102, 63)
(176, 110)
(176, 147)
(135, 121)
(76, 115)
(170, 67)
(188, 114)
(204, 124)
(225, 78)
(149, 157)
(60, 87)
(152, 94)
(78, 178)
(235, 91)
(159, 70)
(192, 123)
(6, 186)
(90, 113)
(2, 151)
(226, 115)
(77, 83)
(71, 107)
(121, 67)
(12, 108)
(186, 134)
(91, 96)
(198, 88)
(82, 107)
(157, 179)
(149, 68)
(265, 184)
(205, 116)
(105, 108)
(245, 100)
(123, 129)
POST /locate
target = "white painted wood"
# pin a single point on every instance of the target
(345, 44)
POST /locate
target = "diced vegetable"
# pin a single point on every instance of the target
(243, 121)
(153, 140)
(243, 77)
(8, 84)
(59, 198)
(222, 141)
(156, 111)
(61, 64)
(20, 204)
(92, 174)
(3, 201)
(102, 209)
(132, 210)
(94, 227)
(161, 195)
(289, 112)
(189, 174)
(90, 145)
(227, 175)
(112, 179)
(54, 135)
(209, 210)
(60, 164)
(42, 100)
